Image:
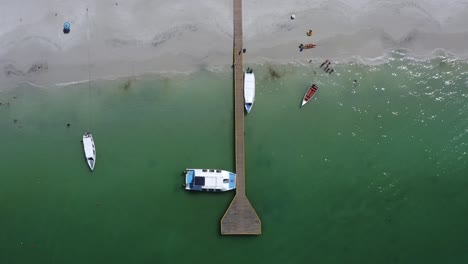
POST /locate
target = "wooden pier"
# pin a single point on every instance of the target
(240, 218)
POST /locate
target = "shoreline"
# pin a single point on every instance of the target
(45, 80)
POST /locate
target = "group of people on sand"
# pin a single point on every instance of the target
(327, 68)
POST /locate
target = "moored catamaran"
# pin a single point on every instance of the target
(209, 180)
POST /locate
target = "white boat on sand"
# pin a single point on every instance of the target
(209, 180)
(89, 149)
(249, 89)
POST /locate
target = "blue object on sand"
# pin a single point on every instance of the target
(66, 27)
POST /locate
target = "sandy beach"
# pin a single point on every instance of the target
(119, 39)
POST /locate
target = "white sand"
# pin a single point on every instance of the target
(144, 36)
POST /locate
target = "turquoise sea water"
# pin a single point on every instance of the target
(372, 173)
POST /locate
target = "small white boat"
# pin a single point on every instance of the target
(209, 180)
(249, 89)
(89, 149)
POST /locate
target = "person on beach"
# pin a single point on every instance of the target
(321, 65)
(301, 47)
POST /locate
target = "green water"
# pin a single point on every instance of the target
(373, 173)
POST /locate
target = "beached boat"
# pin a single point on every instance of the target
(306, 46)
(209, 180)
(309, 94)
(309, 46)
(89, 149)
(249, 89)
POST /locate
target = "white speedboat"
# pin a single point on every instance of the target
(249, 89)
(209, 180)
(89, 149)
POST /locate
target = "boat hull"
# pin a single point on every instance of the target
(89, 150)
(309, 94)
(209, 180)
(248, 107)
(306, 46)
(249, 90)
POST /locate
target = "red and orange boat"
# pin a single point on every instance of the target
(307, 46)
(309, 94)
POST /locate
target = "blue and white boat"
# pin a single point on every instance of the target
(249, 89)
(207, 180)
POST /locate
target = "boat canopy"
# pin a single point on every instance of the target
(249, 89)
(209, 180)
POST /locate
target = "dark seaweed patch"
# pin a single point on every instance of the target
(273, 73)
(127, 84)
